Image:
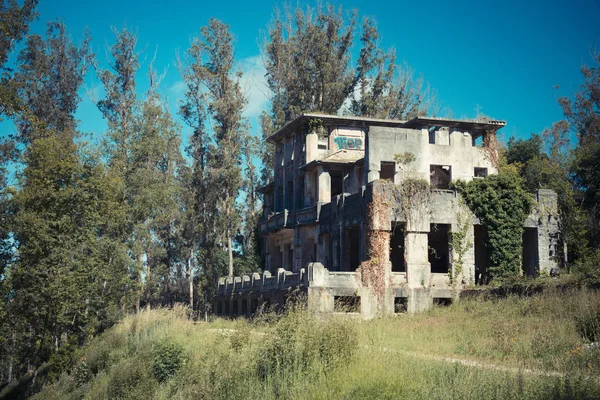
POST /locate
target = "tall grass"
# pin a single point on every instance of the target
(299, 356)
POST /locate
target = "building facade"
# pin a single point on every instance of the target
(336, 227)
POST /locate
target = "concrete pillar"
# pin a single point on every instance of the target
(297, 246)
(324, 185)
(319, 298)
(311, 143)
(548, 230)
(418, 269)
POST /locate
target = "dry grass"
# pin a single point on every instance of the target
(297, 356)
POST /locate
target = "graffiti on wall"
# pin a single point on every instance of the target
(343, 142)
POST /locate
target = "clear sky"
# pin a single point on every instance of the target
(504, 57)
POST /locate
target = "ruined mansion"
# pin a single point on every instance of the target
(334, 229)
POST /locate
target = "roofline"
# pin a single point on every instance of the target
(452, 122)
(356, 121)
(365, 122)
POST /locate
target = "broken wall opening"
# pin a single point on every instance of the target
(387, 170)
(440, 176)
(351, 257)
(530, 251)
(347, 304)
(337, 183)
(400, 304)
(397, 248)
(308, 251)
(481, 256)
(439, 247)
(442, 301)
(480, 172)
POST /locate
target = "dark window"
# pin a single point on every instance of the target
(346, 304)
(388, 170)
(481, 258)
(440, 175)
(530, 251)
(351, 256)
(337, 183)
(397, 248)
(480, 172)
(432, 135)
(442, 301)
(400, 304)
(439, 247)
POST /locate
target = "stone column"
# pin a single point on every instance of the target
(418, 269)
(309, 189)
(324, 185)
(311, 146)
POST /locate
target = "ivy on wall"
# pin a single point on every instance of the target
(502, 205)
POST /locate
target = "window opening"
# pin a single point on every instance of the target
(387, 170)
(439, 248)
(480, 172)
(440, 176)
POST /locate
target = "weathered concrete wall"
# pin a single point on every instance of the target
(384, 143)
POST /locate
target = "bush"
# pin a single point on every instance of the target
(168, 358)
(81, 374)
(302, 344)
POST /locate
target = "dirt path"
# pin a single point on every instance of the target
(469, 363)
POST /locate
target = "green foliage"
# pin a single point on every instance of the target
(404, 158)
(303, 345)
(315, 124)
(502, 205)
(411, 196)
(543, 161)
(82, 373)
(169, 357)
(459, 241)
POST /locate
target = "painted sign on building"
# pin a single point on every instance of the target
(344, 142)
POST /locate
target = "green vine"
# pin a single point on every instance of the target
(410, 195)
(315, 124)
(502, 205)
(459, 241)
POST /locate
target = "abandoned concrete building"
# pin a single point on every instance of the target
(319, 220)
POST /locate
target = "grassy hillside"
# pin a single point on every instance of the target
(513, 348)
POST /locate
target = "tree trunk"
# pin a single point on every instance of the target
(191, 272)
(11, 361)
(148, 288)
(230, 250)
(140, 283)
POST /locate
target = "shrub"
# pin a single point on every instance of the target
(168, 358)
(81, 374)
(502, 205)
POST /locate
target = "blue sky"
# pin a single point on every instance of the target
(504, 57)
